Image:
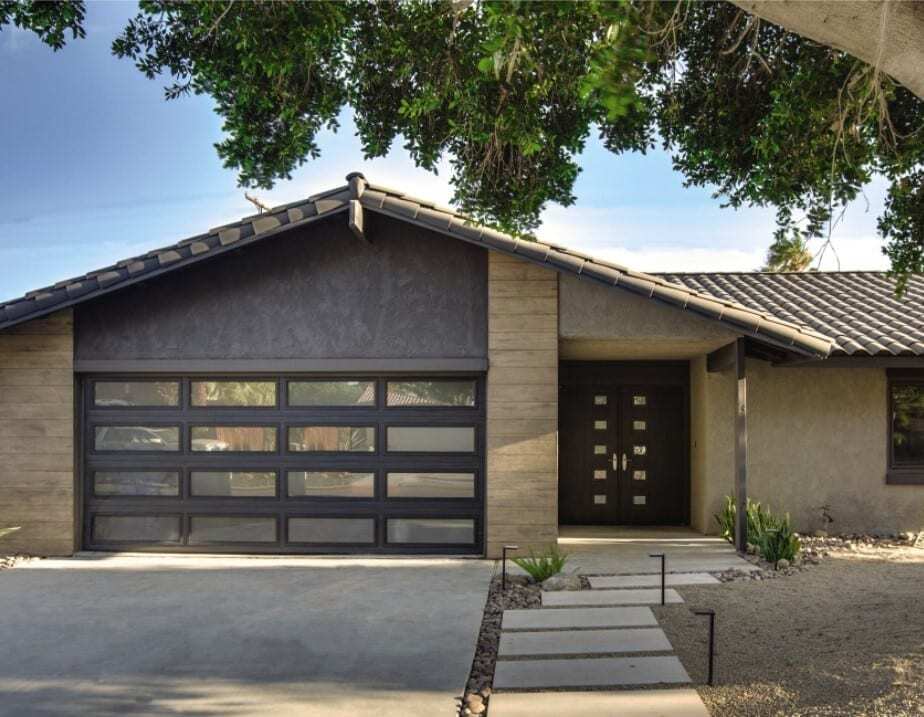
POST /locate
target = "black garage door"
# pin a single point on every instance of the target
(289, 464)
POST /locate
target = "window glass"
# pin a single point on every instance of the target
(908, 423)
(233, 393)
(136, 528)
(332, 438)
(431, 530)
(332, 393)
(431, 485)
(137, 438)
(231, 529)
(136, 393)
(331, 530)
(431, 439)
(431, 393)
(331, 483)
(136, 483)
(234, 484)
(233, 438)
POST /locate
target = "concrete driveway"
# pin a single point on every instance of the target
(161, 635)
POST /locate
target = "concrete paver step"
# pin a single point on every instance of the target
(651, 581)
(578, 617)
(583, 642)
(625, 703)
(640, 596)
(588, 672)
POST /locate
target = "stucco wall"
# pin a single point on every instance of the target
(816, 436)
(37, 436)
(521, 502)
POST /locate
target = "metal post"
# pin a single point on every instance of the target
(711, 613)
(504, 565)
(663, 573)
(741, 449)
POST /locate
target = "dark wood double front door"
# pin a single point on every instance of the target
(624, 448)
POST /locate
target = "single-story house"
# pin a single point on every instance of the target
(363, 371)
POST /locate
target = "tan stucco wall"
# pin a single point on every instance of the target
(521, 500)
(37, 436)
(816, 436)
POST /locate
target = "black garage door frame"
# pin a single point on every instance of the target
(185, 507)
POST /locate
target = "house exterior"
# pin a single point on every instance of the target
(366, 372)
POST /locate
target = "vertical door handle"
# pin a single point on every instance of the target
(625, 462)
(615, 464)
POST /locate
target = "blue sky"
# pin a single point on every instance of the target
(95, 166)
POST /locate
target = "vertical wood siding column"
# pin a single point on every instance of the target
(37, 436)
(522, 406)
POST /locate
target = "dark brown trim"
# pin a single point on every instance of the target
(265, 366)
(722, 358)
(905, 477)
(888, 362)
(906, 473)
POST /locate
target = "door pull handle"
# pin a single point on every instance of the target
(625, 462)
(615, 464)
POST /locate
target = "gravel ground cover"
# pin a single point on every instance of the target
(843, 637)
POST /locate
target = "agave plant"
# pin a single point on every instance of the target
(542, 566)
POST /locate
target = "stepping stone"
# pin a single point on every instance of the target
(574, 598)
(651, 581)
(578, 617)
(583, 642)
(588, 672)
(625, 703)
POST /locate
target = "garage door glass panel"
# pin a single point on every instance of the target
(233, 393)
(457, 531)
(233, 484)
(124, 394)
(136, 528)
(332, 439)
(332, 393)
(136, 438)
(359, 531)
(431, 393)
(231, 529)
(431, 485)
(432, 439)
(241, 439)
(136, 483)
(331, 484)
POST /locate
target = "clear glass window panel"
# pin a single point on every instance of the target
(639, 500)
(136, 393)
(137, 438)
(599, 450)
(908, 424)
(239, 439)
(331, 393)
(599, 500)
(351, 439)
(331, 483)
(432, 439)
(431, 485)
(431, 393)
(639, 400)
(455, 531)
(599, 425)
(136, 483)
(136, 528)
(639, 450)
(600, 475)
(599, 400)
(231, 529)
(639, 475)
(233, 393)
(639, 425)
(233, 484)
(332, 530)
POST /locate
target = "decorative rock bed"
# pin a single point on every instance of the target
(11, 561)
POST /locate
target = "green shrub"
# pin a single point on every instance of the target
(544, 565)
(758, 517)
(778, 542)
(773, 535)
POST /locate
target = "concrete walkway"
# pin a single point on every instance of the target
(157, 635)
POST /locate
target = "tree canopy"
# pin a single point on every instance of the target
(511, 91)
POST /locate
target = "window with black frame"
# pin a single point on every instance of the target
(906, 430)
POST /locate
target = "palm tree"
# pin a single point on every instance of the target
(788, 253)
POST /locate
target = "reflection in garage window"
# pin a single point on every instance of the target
(332, 530)
(431, 485)
(231, 529)
(431, 530)
(331, 393)
(136, 528)
(115, 394)
(432, 439)
(136, 483)
(331, 483)
(233, 484)
(137, 438)
(332, 438)
(233, 438)
(233, 393)
(431, 393)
